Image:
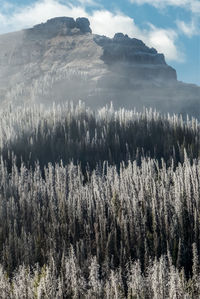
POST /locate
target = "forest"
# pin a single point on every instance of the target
(98, 204)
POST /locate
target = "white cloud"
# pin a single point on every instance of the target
(189, 29)
(165, 42)
(88, 2)
(107, 23)
(102, 22)
(193, 5)
(23, 17)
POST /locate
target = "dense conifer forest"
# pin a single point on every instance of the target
(101, 204)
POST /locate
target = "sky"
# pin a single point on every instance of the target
(170, 26)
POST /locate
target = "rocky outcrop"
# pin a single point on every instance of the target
(145, 62)
(123, 48)
(60, 26)
(84, 25)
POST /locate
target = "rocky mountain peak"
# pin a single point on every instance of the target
(62, 60)
(60, 26)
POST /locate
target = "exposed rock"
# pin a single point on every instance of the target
(59, 26)
(123, 49)
(60, 22)
(84, 25)
(120, 37)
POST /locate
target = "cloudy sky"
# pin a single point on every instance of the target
(170, 26)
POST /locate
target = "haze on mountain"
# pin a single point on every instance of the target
(62, 60)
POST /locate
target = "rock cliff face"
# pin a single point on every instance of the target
(62, 60)
(123, 48)
(59, 26)
(131, 53)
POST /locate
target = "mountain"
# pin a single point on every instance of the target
(62, 60)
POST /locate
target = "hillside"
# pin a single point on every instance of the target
(62, 60)
(98, 204)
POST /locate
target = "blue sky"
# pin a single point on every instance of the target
(170, 26)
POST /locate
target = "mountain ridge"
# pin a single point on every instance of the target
(63, 60)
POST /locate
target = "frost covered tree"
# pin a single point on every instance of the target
(98, 204)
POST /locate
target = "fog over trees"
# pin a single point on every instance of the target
(101, 204)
